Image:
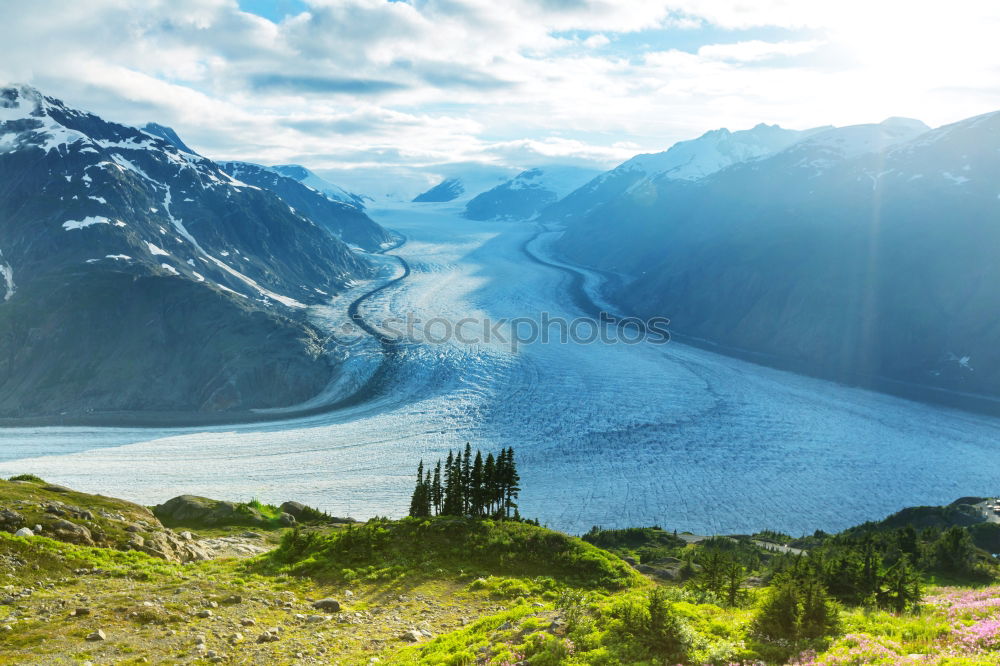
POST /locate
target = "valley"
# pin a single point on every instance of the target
(609, 435)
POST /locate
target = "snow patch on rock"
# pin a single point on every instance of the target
(88, 221)
(8, 278)
(155, 250)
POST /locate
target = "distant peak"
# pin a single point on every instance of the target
(296, 171)
(909, 123)
(168, 135)
(722, 131)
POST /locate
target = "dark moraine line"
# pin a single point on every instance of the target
(376, 385)
(353, 310)
(577, 293)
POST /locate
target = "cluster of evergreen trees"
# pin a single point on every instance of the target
(468, 486)
(883, 568)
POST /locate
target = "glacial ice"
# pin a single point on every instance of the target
(608, 435)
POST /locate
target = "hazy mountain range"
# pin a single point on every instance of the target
(866, 254)
(527, 193)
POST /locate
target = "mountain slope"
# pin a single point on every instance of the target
(685, 160)
(462, 181)
(167, 134)
(523, 196)
(447, 190)
(321, 185)
(141, 277)
(346, 221)
(871, 267)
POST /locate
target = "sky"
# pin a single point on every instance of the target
(370, 92)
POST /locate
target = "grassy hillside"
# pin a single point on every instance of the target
(436, 547)
(463, 591)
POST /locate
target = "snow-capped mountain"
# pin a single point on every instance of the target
(344, 220)
(321, 185)
(524, 195)
(140, 276)
(864, 253)
(448, 189)
(685, 160)
(461, 182)
(832, 145)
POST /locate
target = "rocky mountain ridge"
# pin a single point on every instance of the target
(137, 276)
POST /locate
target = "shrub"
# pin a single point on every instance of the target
(27, 477)
(542, 649)
(653, 623)
(795, 610)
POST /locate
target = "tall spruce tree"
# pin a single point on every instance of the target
(452, 505)
(511, 479)
(437, 492)
(489, 485)
(477, 503)
(466, 479)
(420, 501)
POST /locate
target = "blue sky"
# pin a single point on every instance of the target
(273, 10)
(404, 89)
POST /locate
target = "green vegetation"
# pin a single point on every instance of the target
(31, 478)
(645, 544)
(446, 546)
(474, 590)
(203, 513)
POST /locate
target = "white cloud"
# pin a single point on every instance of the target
(394, 83)
(756, 50)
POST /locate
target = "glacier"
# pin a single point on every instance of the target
(609, 435)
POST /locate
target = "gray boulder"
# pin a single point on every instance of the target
(64, 530)
(10, 519)
(191, 509)
(170, 546)
(293, 508)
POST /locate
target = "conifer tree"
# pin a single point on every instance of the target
(902, 586)
(437, 492)
(489, 485)
(452, 505)
(511, 481)
(476, 487)
(466, 478)
(818, 616)
(420, 501)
